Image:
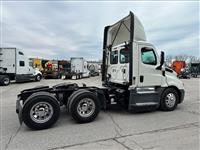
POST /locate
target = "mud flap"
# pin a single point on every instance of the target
(19, 108)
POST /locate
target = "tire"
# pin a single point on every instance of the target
(69, 102)
(79, 104)
(40, 100)
(38, 77)
(59, 76)
(5, 80)
(169, 99)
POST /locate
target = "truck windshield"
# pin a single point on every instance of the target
(124, 56)
(114, 57)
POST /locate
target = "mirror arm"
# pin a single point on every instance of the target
(159, 67)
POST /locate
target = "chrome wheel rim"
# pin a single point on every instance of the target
(170, 100)
(86, 107)
(6, 81)
(41, 112)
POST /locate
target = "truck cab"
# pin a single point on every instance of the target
(130, 62)
(14, 65)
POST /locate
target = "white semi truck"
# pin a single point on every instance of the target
(133, 76)
(14, 65)
(79, 67)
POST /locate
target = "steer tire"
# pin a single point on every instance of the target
(76, 99)
(38, 77)
(33, 101)
(163, 103)
(4, 80)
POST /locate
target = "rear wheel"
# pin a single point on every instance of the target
(5, 80)
(59, 76)
(40, 111)
(84, 106)
(69, 102)
(169, 99)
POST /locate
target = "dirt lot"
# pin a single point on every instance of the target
(113, 129)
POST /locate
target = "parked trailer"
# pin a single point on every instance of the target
(195, 69)
(14, 65)
(132, 76)
(79, 67)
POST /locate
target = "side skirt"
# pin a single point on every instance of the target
(145, 98)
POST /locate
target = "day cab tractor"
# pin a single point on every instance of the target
(133, 76)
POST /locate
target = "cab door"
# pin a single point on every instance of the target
(149, 76)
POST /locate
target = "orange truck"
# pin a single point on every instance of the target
(180, 67)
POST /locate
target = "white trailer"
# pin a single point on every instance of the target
(14, 65)
(79, 67)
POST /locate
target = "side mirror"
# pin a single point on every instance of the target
(162, 60)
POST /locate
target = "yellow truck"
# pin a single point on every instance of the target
(37, 63)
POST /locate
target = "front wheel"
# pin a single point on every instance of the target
(40, 111)
(38, 77)
(169, 99)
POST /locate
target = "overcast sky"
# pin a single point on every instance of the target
(60, 30)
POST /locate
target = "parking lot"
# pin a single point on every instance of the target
(113, 129)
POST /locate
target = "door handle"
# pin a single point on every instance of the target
(141, 78)
(124, 71)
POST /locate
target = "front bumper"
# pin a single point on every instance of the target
(182, 95)
(19, 108)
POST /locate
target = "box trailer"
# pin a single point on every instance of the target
(79, 67)
(14, 65)
(133, 76)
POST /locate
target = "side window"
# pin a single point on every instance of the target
(148, 56)
(124, 56)
(20, 53)
(21, 63)
(114, 57)
(31, 64)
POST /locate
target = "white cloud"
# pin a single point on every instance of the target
(65, 29)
